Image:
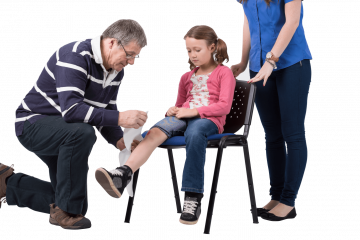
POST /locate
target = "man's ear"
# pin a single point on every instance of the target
(112, 43)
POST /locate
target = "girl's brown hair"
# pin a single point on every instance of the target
(208, 34)
(267, 1)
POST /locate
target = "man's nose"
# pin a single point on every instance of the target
(131, 61)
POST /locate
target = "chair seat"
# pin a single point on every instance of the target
(180, 140)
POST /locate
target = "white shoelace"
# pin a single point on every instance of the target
(116, 172)
(189, 206)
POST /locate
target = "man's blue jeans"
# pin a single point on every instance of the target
(282, 107)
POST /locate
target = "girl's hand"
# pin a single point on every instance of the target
(264, 73)
(185, 113)
(172, 111)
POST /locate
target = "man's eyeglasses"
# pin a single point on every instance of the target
(128, 56)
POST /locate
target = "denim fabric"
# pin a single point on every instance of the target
(64, 148)
(196, 131)
(282, 107)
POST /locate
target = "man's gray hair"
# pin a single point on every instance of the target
(126, 31)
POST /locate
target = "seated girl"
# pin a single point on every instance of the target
(204, 99)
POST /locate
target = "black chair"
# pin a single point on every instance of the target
(240, 115)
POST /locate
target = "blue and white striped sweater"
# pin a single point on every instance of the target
(75, 85)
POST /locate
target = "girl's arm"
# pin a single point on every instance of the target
(181, 98)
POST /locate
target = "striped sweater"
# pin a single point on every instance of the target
(75, 85)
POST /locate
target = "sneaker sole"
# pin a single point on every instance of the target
(106, 182)
(188, 223)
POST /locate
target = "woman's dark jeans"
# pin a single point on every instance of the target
(282, 107)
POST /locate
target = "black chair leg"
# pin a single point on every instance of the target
(174, 180)
(213, 190)
(131, 199)
(251, 184)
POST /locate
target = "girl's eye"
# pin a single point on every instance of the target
(197, 50)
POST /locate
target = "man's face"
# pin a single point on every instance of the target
(117, 56)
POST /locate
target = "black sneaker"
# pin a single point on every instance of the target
(115, 181)
(192, 208)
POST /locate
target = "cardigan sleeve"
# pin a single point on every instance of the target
(181, 98)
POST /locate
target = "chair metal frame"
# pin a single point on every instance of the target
(243, 103)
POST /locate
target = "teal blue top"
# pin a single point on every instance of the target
(265, 23)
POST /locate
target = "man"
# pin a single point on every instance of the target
(76, 90)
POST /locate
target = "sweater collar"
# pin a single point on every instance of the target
(95, 47)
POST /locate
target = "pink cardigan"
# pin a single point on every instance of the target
(221, 86)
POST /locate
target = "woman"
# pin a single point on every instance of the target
(274, 43)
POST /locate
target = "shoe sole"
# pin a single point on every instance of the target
(55, 223)
(106, 182)
(187, 222)
(277, 220)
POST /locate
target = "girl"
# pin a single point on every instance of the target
(204, 99)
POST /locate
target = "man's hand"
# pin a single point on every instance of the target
(172, 111)
(121, 145)
(182, 113)
(132, 119)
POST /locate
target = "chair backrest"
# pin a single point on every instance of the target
(242, 108)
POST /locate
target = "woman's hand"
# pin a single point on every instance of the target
(264, 73)
(172, 111)
(238, 68)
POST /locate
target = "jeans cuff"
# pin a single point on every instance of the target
(187, 189)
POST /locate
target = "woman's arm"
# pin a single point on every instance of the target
(246, 41)
(292, 15)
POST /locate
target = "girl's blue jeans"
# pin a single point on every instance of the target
(282, 107)
(196, 130)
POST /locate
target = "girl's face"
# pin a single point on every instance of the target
(198, 51)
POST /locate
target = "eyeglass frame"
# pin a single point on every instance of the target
(128, 56)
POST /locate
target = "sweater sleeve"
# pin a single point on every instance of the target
(223, 106)
(71, 79)
(111, 134)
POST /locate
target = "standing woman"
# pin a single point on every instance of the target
(274, 43)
